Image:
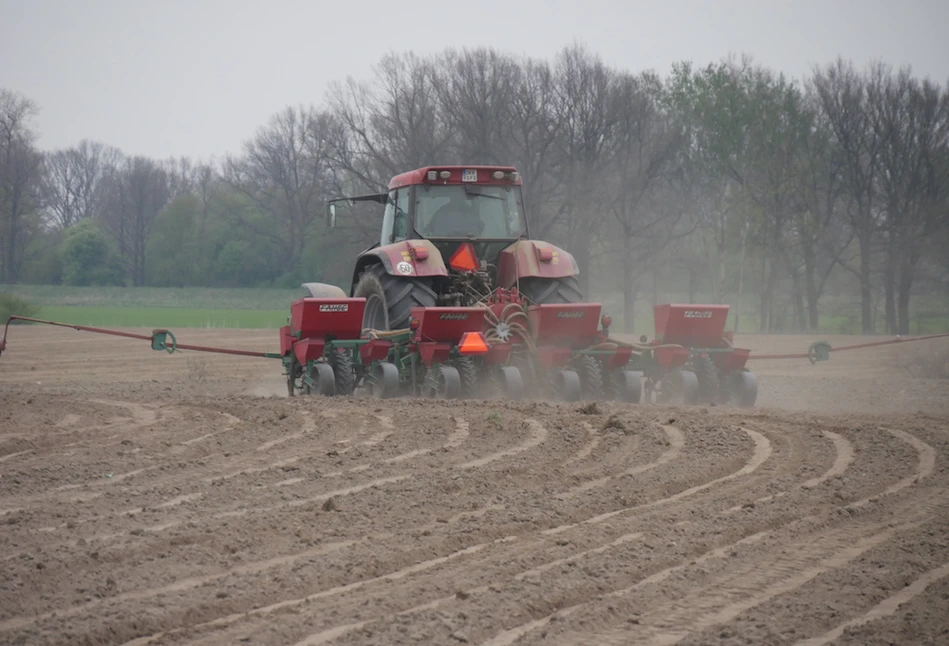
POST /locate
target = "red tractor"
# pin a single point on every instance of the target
(471, 216)
(457, 236)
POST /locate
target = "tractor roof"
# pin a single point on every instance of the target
(485, 176)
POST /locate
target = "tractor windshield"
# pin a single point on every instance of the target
(459, 211)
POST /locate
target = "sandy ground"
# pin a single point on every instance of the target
(155, 499)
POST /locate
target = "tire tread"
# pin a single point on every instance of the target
(402, 294)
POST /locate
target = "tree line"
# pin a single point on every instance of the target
(728, 179)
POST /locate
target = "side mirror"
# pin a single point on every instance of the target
(331, 215)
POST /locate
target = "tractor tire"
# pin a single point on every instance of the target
(530, 379)
(689, 383)
(707, 375)
(443, 382)
(342, 364)
(324, 381)
(545, 291)
(742, 389)
(390, 299)
(469, 377)
(591, 376)
(510, 384)
(623, 385)
(385, 382)
(678, 387)
(566, 385)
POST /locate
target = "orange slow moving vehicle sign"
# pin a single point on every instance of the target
(473, 343)
(464, 258)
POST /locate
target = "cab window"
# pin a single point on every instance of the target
(388, 220)
(482, 210)
(401, 226)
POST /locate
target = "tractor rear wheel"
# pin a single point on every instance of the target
(544, 291)
(468, 372)
(390, 299)
(707, 375)
(342, 364)
(590, 371)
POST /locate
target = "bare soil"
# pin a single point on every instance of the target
(155, 499)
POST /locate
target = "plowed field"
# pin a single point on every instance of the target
(155, 499)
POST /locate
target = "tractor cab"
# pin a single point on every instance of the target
(454, 236)
(452, 205)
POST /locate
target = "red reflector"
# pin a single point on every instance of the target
(544, 254)
(473, 343)
(464, 258)
(420, 253)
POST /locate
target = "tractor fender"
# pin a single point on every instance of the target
(534, 259)
(403, 259)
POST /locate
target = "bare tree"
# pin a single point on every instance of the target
(588, 115)
(72, 180)
(285, 174)
(390, 125)
(715, 105)
(643, 159)
(61, 188)
(20, 172)
(383, 128)
(776, 140)
(842, 95)
(181, 175)
(205, 181)
(530, 136)
(911, 120)
(475, 89)
(818, 229)
(136, 192)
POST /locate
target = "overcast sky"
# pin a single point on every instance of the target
(197, 77)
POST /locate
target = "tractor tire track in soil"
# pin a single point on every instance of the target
(886, 607)
(748, 582)
(522, 546)
(173, 513)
